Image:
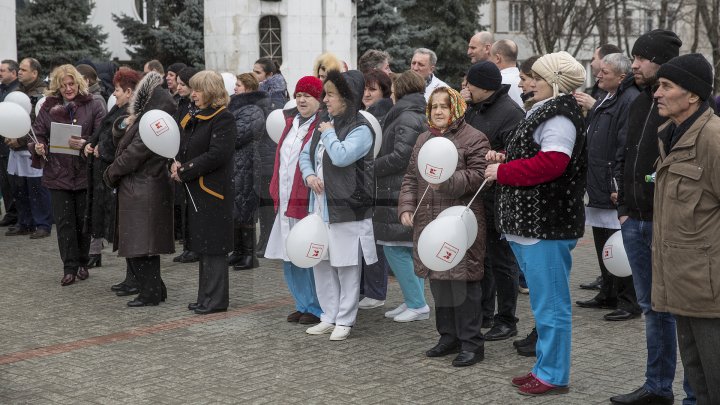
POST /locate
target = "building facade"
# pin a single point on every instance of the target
(8, 41)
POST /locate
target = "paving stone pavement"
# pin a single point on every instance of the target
(82, 345)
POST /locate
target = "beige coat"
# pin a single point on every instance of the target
(686, 227)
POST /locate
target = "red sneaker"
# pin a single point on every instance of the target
(536, 387)
(522, 380)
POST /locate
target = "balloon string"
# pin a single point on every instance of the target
(420, 202)
(192, 200)
(473, 199)
(35, 139)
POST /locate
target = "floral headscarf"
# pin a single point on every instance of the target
(457, 106)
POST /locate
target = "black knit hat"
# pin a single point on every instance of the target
(186, 73)
(692, 72)
(176, 67)
(485, 75)
(657, 46)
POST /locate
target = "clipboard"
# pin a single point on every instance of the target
(60, 135)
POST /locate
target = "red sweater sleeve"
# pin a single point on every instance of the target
(541, 168)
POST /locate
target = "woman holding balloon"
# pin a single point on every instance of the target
(540, 210)
(205, 165)
(457, 292)
(337, 164)
(65, 175)
(144, 227)
(290, 195)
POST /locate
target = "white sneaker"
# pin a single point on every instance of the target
(397, 311)
(340, 332)
(320, 329)
(370, 303)
(410, 315)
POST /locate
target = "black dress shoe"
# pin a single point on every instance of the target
(187, 257)
(67, 280)
(192, 306)
(7, 221)
(642, 396)
(526, 351)
(595, 285)
(468, 358)
(530, 339)
(137, 302)
(119, 286)
(204, 311)
(501, 332)
(620, 315)
(246, 263)
(95, 261)
(443, 349)
(127, 291)
(595, 303)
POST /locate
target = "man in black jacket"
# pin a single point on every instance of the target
(635, 211)
(494, 113)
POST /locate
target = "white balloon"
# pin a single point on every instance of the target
(160, 133)
(21, 99)
(290, 104)
(376, 128)
(307, 242)
(441, 245)
(437, 160)
(112, 100)
(615, 257)
(14, 120)
(38, 105)
(275, 124)
(468, 218)
(229, 79)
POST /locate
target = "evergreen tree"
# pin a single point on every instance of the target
(381, 25)
(445, 27)
(173, 33)
(56, 32)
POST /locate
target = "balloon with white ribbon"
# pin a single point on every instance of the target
(442, 244)
(290, 104)
(160, 133)
(21, 99)
(615, 257)
(229, 80)
(14, 120)
(468, 218)
(112, 100)
(376, 128)
(275, 124)
(437, 160)
(307, 242)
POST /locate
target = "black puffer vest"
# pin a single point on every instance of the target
(349, 189)
(551, 210)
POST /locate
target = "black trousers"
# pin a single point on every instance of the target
(458, 315)
(698, 341)
(68, 208)
(501, 274)
(214, 282)
(620, 290)
(7, 189)
(146, 270)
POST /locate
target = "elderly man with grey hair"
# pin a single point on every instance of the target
(423, 63)
(605, 119)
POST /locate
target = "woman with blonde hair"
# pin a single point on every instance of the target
(325, 63)
(204, 164)
(65, 174)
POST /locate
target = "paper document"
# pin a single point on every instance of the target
(60, 135)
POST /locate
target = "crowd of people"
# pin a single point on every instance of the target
(635, 154)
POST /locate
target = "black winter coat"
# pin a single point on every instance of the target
(380, 109)
(206, 151)
(250, 124)
(604, 123)
(403, 124)
(263, 156)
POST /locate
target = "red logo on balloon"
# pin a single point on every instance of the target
(432, 171)
(315, 251)
(607, 252)
(159, 127)
(447, 253)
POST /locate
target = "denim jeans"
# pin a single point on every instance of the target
(659, 326)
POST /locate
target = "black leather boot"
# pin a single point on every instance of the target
(248, 259)
(237, 255)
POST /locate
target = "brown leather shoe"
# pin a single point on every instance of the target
(39, 234)
(295, 316)
(82, 273)
(67, 280)
(308, 319)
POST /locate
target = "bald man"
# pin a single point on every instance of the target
(504, 53)
(479, 46)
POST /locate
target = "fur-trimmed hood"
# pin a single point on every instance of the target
(143, 92)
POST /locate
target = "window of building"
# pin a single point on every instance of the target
(516, 21)
(270, 38)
